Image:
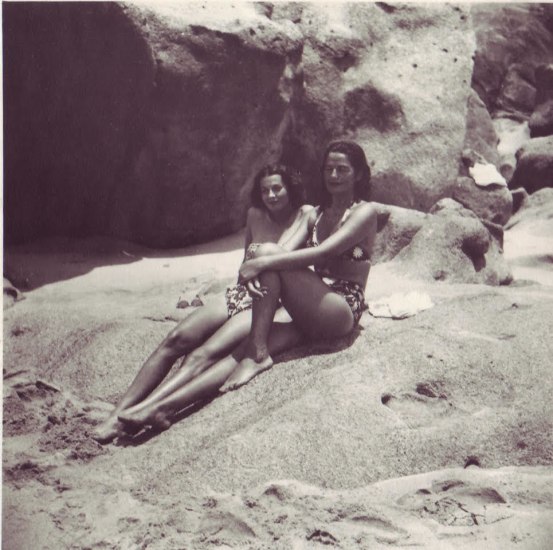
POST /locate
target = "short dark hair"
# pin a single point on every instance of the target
(358, 160)
(290, 178)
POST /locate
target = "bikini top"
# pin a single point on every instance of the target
(355, 254)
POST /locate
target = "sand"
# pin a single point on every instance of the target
(433, 431)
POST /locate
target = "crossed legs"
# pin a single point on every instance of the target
(317, 311)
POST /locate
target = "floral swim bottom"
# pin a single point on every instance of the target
(238, 299)
(353, 294)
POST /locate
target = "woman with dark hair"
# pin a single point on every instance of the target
(326, 302)
(215, 329)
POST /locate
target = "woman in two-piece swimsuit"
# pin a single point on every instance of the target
(216, 328)
(326, 302)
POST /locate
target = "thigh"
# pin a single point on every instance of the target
(229, 334)
(204, 321)
(315, 308)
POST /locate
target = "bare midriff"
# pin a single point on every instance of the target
(344, 269)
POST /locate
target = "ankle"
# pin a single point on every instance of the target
(258, 353)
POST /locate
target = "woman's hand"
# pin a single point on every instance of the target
(248, 276)
(255, 290)
(250, 269)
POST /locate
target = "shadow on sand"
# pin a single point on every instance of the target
(32, 265)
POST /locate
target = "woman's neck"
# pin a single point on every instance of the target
(341, 203)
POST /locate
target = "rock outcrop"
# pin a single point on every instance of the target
(134, 121)
(514, 43)
(396, 227)
(454, 245)
(512, 40)
(148, 122)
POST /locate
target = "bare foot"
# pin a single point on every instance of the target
(139, 418)
(108, 430)
(244, 372)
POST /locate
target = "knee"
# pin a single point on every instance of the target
(180, 341)
(199, 360)
(267, 249)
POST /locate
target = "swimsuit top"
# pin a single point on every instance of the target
(355, 254)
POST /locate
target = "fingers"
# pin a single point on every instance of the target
(256, 291)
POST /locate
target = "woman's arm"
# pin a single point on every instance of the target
(360, 225)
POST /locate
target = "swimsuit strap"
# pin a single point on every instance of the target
(314, 238)
(347, 212)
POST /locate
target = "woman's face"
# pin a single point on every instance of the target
(274, 193)
(339, 174)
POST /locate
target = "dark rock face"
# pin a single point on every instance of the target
(534, 165)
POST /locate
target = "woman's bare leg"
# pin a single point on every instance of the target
(222, 342)
(316, 310)
(187, 335)
(282, 336)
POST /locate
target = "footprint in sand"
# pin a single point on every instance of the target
(381, 529)
(322, 537)
(422, 407)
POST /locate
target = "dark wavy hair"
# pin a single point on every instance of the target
(358, 160)
(290, 178)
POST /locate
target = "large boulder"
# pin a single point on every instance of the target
(455, 246)
(396, 227)
(396, 78)
(493, 202)
(534, 165)
(136, 122)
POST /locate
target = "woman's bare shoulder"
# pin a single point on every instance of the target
(365, 209)
(308, 211)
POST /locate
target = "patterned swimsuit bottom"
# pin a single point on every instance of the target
(353, 293)
(237, 296)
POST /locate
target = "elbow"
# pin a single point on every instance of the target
(267, 249)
